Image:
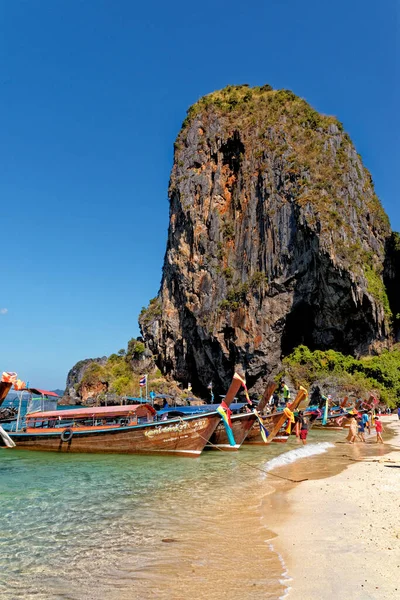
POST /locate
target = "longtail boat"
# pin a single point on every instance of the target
(7, 414)
(7, 380)
(241, 425)
(130, 429)
(336, 419)
(5, 387)
(230, 433)
(274, 423)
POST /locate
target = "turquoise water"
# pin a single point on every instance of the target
(87, 526)
(119, 527)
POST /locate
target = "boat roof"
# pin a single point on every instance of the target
(189, 410)
(95, 411)
(233, 406)
(41, 392)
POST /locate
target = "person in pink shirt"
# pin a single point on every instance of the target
(378, 429)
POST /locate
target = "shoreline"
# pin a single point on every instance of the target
(339, 535)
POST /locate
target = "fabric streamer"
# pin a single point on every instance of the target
(246, 393)
(263, 430)
(325, 415)
(9, 377)
(6, 438)
(19, 385)
(225, 413)
(290, 416)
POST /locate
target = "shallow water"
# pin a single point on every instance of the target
(93, 526)
(119, 527)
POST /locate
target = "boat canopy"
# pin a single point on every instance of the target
(41, 392)
(137, 400)
(97, 411)
(200, 408)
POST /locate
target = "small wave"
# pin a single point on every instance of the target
(293, 455)
(286, 579)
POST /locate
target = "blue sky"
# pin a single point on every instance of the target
(92, 97)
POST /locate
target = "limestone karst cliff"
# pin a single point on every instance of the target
(77, 389)
(276, 238)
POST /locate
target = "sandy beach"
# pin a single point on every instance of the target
(340, 536)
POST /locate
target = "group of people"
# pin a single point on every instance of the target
(360, 423)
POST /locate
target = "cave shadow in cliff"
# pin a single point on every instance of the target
(392, 278)
(298, 328)
(324, 314)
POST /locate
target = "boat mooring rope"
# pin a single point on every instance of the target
(243, 462)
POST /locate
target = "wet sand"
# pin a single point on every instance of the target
(339, 531)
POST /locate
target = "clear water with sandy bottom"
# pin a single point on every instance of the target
(127, 527)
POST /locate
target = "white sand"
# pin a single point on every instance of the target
(341, 536)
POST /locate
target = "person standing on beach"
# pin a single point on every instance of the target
(398, 412)
(353, 430)
(365, 420)
(303, 423)
(361, 428)
(378, 429)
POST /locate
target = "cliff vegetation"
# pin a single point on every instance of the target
(347, 375)
(116, 376)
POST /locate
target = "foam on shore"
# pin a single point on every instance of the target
(293, 455)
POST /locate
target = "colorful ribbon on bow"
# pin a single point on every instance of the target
(225, 412)
(290, 416)
(9, 377)
(246, 393)
(263, 430)
(325, 415)
(19, 385)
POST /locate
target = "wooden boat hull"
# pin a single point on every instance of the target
(5, 387)
(274, 424)
(334, 424)
(271, 422)
(241, 425)
(184, 437)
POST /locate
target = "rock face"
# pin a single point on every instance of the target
(74, 378)
(276, 238)
(392, 279)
